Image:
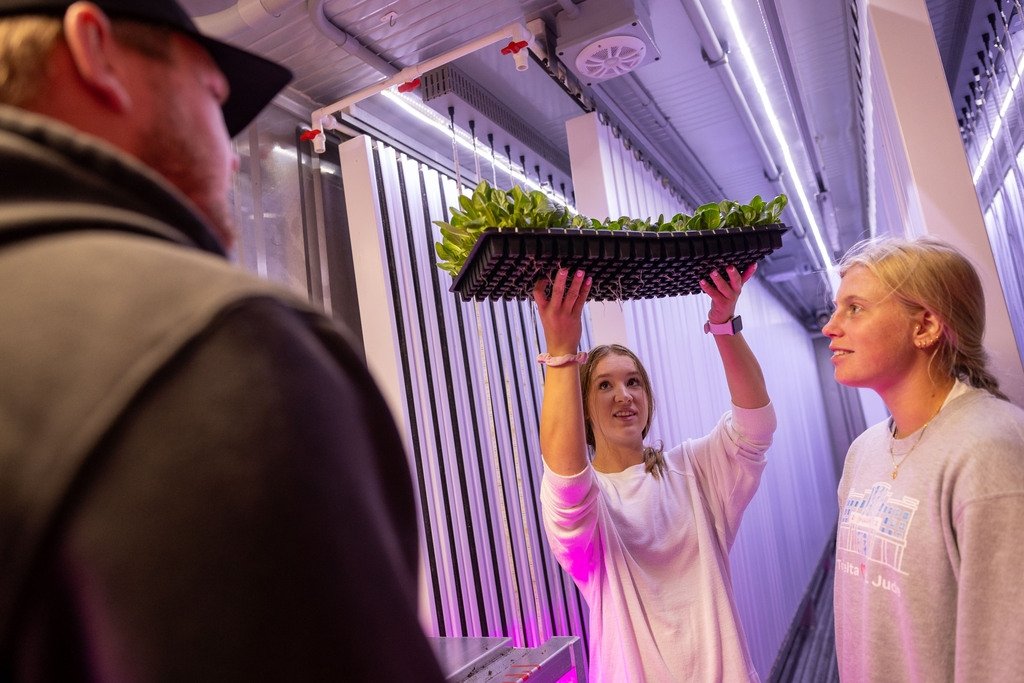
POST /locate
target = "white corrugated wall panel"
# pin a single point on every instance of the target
(470, 402)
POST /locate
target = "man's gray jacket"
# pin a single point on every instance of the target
(198, 478)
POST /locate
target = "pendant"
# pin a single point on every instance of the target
(894, 472)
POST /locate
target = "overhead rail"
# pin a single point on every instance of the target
(698, 172)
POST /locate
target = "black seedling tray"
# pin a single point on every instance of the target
(505, 263)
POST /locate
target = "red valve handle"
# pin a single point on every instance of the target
(514, 47)
(411, 85)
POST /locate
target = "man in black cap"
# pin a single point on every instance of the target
(198, 478)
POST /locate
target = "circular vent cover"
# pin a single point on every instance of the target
(611, 56)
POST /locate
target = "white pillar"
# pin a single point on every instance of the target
(588, 157)
(376, 310)
(916, 136)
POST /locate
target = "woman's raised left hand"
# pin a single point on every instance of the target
(724, 291)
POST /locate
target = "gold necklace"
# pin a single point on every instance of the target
(892, 440)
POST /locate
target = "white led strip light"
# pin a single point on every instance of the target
(417, 110)
(780, 139)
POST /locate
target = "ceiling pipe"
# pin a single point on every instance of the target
(243, 16)
(717, 56)
(345, 41)
(711, 46)
(771, 169)
(323, 119)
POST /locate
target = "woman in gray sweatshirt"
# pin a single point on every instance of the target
(931, 502)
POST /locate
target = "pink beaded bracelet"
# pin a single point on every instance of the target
(555, 361)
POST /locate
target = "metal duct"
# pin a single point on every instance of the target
(345, 41)
(243, 16)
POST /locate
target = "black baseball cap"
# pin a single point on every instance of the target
(254, 80)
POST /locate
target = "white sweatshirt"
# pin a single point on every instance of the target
(651, 556)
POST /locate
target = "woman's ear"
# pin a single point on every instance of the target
(96, 54)
(927, 331)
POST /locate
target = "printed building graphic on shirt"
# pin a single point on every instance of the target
(875, 525)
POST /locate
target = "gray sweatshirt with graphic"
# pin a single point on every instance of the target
(930, 564)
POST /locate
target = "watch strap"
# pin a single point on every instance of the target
(568, 359)
(729, 327)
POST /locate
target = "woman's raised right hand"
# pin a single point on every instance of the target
(561, 315)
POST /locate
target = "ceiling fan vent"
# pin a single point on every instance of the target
(611, 56)
(605, 39)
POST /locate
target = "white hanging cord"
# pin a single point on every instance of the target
(508, 155)
(476, 155)
(494, 164)
(455, 150)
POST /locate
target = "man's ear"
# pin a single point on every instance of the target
(95, 53)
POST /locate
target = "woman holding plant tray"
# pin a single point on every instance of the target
(645, 533)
